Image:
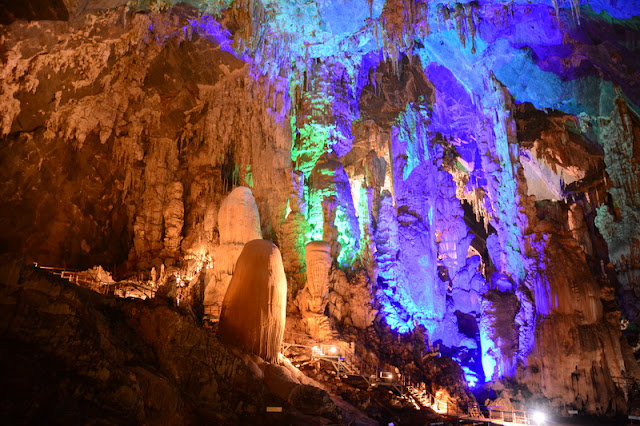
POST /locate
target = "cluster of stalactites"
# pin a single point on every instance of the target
(619, 225)
(575, 9)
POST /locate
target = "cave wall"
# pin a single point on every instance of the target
(473, 167)
(86, 358)
(154, 117)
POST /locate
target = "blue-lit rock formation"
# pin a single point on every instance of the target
(473, 166)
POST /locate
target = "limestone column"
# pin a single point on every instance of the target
(173, 215)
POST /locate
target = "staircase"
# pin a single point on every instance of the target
(348, 365)
(421, 397)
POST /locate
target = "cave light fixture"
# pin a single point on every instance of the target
(316, 351)
(387, 375)
(539, 417)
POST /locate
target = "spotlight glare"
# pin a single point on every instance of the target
(539, 417)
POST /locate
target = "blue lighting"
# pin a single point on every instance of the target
(479, 62)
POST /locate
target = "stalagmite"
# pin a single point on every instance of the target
(313, 298)
(173, 214)
(238, 218)
(238, 223)
(254, 306)
(318, 264)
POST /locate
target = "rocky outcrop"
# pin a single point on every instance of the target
(72, 355)
(105, 123)
(578, 365)
(350, 300)
(97, 358)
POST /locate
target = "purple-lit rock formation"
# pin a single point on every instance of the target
(472, 169)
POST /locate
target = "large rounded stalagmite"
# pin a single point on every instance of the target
(254, 307)
(238, 218)
(238, 223)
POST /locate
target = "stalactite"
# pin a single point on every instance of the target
(557, 9)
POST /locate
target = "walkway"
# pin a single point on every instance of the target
(347, 365)
(89, 279)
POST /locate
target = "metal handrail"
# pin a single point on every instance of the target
(350, 364)
(93, 282)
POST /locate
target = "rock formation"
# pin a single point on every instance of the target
(238, 223)
(94, 358)
(473, 167)
(75, 356)
(313, 297)
(254, 306)
(318, 260)
(238, 218)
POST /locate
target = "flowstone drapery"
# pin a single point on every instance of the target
(313, 297)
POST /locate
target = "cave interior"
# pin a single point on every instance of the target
(319, 212)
